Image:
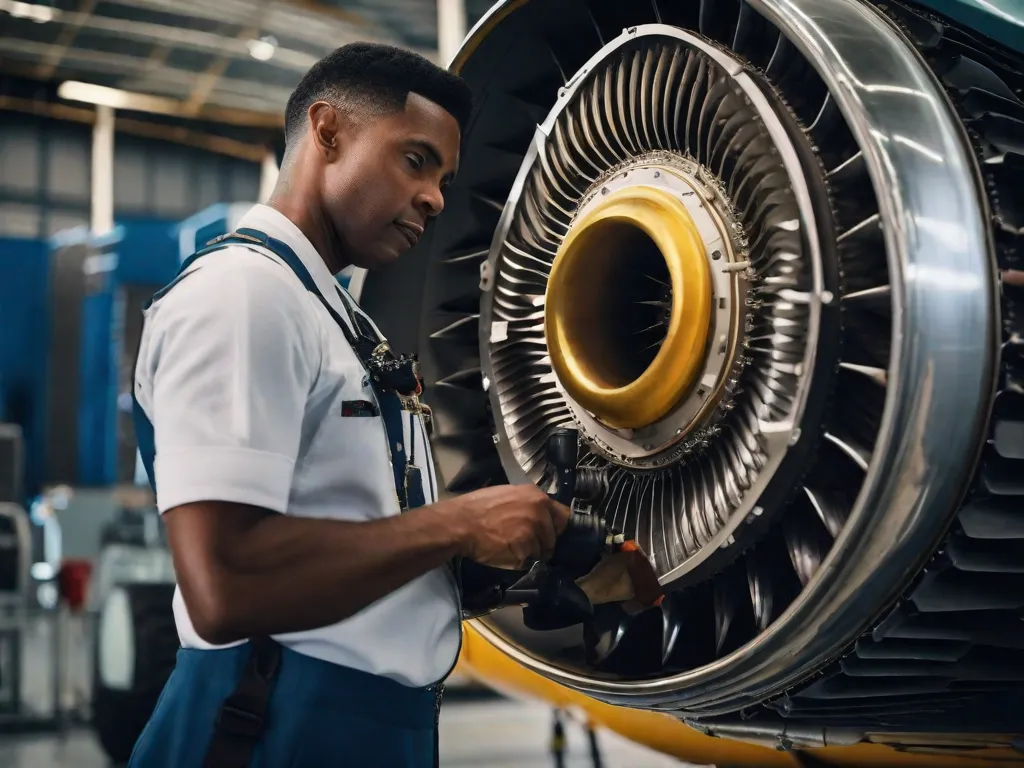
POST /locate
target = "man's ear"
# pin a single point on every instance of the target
(325, 123)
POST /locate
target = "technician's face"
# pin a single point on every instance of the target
(388, 180)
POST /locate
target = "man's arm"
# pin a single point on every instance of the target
(230, 360)
(245, 572)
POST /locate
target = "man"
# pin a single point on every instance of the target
(315, 606)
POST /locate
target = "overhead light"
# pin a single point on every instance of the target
(101, 95)
(262, 49)
(37, 13)
(130, 101)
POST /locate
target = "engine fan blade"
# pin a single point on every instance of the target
(807, 540)
(762, 594)
(877, 376)
(688, 638)
(624, 643)
(851, 449)
(733, 617)
(859, 415)
(828, 509)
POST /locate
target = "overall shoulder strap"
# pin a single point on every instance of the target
(217, 244)
(283, 251)
(240, 721)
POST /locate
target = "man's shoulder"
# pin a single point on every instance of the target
(249, 265)
(236, 279)
(234, 297)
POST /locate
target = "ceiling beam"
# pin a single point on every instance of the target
(178, 135)
(285, 18)
(90, 93)
(231, 46)
(119, 64)
(66, 38)
(334, 11)
(160, 105)
(206, 82)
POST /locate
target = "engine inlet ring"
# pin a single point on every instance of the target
(628, 391)
(689, 423)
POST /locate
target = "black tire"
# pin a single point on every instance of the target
(135, 646)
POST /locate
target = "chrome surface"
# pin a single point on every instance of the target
(781, 736)
(706, 500)
(933, 219)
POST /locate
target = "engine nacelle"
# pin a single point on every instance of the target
(754, 252)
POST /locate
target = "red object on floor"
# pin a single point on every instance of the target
(74, 582)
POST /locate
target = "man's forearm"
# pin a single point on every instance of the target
(290, 574)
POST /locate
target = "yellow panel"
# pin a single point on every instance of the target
(668, 735)
(580, 275)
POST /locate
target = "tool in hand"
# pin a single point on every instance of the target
(590, 561)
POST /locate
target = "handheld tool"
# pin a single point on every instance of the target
(548, 591)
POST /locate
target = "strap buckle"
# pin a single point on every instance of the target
(239, 722)
(240, 235)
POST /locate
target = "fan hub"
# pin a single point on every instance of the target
(644, 310)
(628, 307)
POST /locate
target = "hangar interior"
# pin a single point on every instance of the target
(764, 257)
(130, 131)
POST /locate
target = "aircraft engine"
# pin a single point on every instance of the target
(754, 251)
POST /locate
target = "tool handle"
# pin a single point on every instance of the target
(547, 589)
(580, 546)
(563, 454)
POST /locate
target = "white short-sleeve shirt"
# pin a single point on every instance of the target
(243, 374)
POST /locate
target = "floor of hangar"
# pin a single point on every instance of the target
(474, 734)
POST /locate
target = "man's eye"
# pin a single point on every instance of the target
(416, 161)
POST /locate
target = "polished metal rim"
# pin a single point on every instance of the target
(932, 219)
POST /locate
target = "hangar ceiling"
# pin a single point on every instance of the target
(209, 55)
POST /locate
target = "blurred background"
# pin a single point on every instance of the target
(130, 131)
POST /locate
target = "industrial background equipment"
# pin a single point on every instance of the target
(135, 642)
(754, 251)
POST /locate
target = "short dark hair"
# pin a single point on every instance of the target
(378, 78)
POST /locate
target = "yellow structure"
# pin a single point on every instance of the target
(576, 302)
(664, 733)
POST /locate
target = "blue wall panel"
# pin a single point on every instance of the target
(138, 253)
(96, 379)
(24, 334)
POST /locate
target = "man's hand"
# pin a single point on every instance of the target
(505, 526)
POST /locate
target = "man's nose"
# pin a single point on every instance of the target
(430, 201)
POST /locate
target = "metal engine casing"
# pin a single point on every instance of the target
(921, 541)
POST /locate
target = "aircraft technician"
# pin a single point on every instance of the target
(316, 606)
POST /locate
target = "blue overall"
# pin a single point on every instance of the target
(317, 714)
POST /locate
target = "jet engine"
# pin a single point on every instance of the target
(759, 253)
